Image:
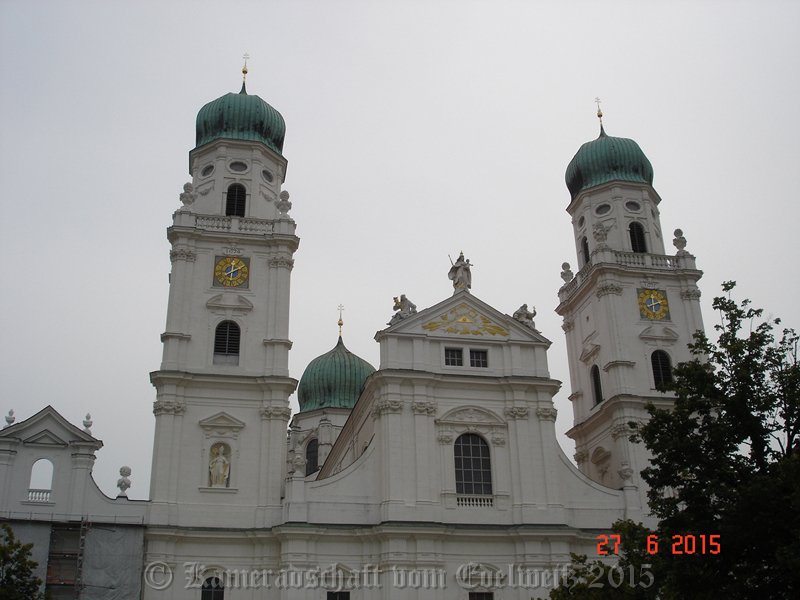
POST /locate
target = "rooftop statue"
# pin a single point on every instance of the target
(460, 274)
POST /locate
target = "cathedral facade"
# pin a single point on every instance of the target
(436, 475)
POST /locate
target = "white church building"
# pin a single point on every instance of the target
(434, 475)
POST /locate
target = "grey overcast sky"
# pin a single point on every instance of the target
(414, 130)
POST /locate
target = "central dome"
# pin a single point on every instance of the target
(240, 117)
(333, 380)
(607, 159)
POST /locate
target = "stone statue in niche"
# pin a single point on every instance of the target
(188, 196)
(524, 316)
(405, 308)
(219, 467)
(460, 274)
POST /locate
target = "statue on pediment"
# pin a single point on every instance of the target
(460, 273)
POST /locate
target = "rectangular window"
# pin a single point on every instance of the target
(338, 596)
(478, 358)
(453, 357)
(481, 596)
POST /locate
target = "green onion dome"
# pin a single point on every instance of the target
(607, 159)
(333, 380)
(241, 117)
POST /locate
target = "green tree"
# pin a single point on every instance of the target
(17, 581)
(725, 461)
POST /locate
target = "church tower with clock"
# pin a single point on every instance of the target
(222, 405)
(629, 311)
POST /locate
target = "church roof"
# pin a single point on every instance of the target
(607, 159)
(333, 380)
(240, 117)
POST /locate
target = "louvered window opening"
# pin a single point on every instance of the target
(637, 238)
(662, 368)
(227, 338)
(237, 196)
(473, 465)
(597, 388)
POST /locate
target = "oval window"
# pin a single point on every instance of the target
(633, 206)
(207, 170)
(267, 176)
(238, 166)
(603, 209)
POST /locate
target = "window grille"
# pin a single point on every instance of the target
(478, 358)
(212, 589)
(453, 357)
(473, 465)
(662, 368)
(312, 456)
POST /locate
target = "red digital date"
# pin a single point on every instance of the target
(681, 544)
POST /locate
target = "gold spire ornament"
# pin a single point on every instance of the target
(341, 308)
(599, 111)
(246, 57)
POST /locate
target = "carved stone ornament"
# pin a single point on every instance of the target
(168, 407)
(232, 249)
(580, 457)
(423, 407)
(283, 205)
(650, 284)
(600, 234)
(182, 254)
(205, 188)
(626, 472)
(680, 243)
(690, 294)
(404, 307)
(386, 406)
(281, 262)
(465, 320)
(275, 412)
(123, 483)
(566, 272)
(188, 196)
(546, 413)
(498, 439)
(568, 324)
(622, 430)
(445, 437)
(87, 424)
(516, 412)
(608, 288)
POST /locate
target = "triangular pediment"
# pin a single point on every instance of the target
(230, 302)
(469, 414)
(222, 421)
(464, 316)
(659, 332)
(44, 438)
(49, 428)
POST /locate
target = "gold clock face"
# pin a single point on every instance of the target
(653, 304)
(231, 271)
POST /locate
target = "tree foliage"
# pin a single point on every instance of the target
(17, 581)
(726, 462)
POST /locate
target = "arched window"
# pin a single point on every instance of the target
(637, 237)
(312, 456)
(585, 250)
(212, 589)
(473, 465)
(41, 481)
(597, 388)
(226, 343)
(234, 205)
(662, 368)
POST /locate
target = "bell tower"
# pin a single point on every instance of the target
(222, 390)
(629, 311)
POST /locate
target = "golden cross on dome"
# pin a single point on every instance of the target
(599, 110)
(341, 308)
(246, 57)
